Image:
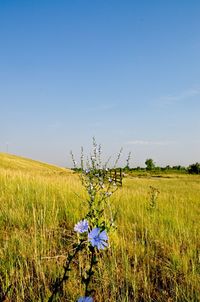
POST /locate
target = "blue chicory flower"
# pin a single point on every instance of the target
(98, 238)
(82, 226)
(85, 299)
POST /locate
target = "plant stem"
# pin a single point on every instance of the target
(90, 273)
(59, 282)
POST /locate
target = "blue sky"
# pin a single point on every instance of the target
(126, 72)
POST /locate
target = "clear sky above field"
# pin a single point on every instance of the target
(126, 72)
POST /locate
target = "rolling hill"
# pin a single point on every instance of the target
(18, 163)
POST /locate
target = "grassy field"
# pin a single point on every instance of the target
(154, 254)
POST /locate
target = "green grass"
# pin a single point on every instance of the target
(154, 253)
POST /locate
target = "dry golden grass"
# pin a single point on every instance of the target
(154, 253)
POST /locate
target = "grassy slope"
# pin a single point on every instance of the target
(154, 255)
(36, 199)
(17, 163)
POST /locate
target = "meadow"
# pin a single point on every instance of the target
(154, 253)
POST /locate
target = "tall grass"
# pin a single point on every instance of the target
(154, 255)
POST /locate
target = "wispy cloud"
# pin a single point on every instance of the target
(184, 95)
(148, 143)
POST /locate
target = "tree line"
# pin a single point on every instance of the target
(151, 166)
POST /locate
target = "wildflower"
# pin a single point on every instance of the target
(108, 194)
(87, 171)
(98, 238)
(92, 197)
(82, 226)
(85, 299)
(90, 187)
(110, 179)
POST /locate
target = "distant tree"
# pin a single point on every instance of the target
(177, 167)
(194, 169)
(150, 165)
